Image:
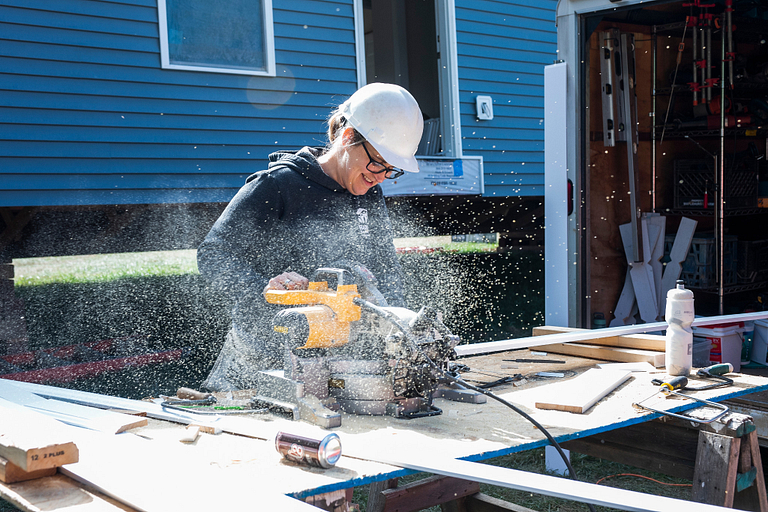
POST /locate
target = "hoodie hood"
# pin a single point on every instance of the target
(303, 162)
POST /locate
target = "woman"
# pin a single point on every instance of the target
(309, 209)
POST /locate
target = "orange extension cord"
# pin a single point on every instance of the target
(646, 477)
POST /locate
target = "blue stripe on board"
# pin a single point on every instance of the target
(299, 110)
(140, 11)
(284, 91)
(269, 124)
(102, 197)
(59, 20)
(157, 76)
(242, 165)
(45, 182)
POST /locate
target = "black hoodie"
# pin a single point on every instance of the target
(294, 217)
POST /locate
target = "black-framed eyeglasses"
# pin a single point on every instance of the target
(392, 173)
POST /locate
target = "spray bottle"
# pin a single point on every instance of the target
(679, 342)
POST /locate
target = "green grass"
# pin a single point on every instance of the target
(103, 267)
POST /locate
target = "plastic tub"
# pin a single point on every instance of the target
(701, 348)
(726, 343)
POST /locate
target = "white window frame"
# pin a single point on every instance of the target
(450, 126)
(269, 46)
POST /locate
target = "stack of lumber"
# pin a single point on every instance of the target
(630, 348)
(31, 444)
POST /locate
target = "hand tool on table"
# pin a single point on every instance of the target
(716, 371)
(671, 387)
(346, 349)
(206, 403)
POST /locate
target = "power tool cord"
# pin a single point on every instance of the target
(394, 320)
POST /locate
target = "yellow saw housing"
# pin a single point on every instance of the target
(328, 314)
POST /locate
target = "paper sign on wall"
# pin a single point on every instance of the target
(439, 176)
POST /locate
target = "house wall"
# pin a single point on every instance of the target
(503, 46)
(88, 117)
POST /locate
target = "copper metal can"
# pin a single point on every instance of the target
(322, 453)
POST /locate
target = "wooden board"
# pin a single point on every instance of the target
(518, 343)
(623, 355)
(110, 422)
(639, 341)
(580, 394)
(11, 473)
(677, 256)
(58, 492)
(32, 441)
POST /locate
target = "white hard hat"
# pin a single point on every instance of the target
(390, 119)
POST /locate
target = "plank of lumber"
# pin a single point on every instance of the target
(624, 355)
(33, 441)
(11, 473)
(638, 341)
(428, 492)
(518, 343)
(483, 503)
(580, 394)
(73, 414)
(58, 492)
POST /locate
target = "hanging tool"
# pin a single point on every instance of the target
(680, 48)
(671, 387)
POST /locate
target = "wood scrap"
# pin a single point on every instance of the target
(653, 342)
(578, 395)
(11, 473)
(624, 355)
(33, 441)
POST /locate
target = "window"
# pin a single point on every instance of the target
(220, 36)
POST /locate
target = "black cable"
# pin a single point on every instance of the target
(394, 320)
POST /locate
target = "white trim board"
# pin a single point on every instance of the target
(590, 334)
(551, 486)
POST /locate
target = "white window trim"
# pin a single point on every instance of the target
(269, 43)
(445, 11)
(359, 42)
(449, 79)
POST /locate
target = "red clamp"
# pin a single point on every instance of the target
(730, 56)
(695, 86)
(701, 64)
(711, 82)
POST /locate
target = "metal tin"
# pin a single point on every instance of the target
(323, 453)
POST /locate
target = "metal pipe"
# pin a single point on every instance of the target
(709, 60)
(721, 188)
(695, 81)
(653, 119)
(729, 29)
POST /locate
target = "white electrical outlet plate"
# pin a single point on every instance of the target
(484, 108)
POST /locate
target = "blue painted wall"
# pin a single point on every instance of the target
(87, 116)
(503, 46)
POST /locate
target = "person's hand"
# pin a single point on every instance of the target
(287, 281)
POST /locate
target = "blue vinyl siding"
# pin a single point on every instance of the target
(87, 115)
(503, 46)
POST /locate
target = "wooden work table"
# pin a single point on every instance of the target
(217, 472)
